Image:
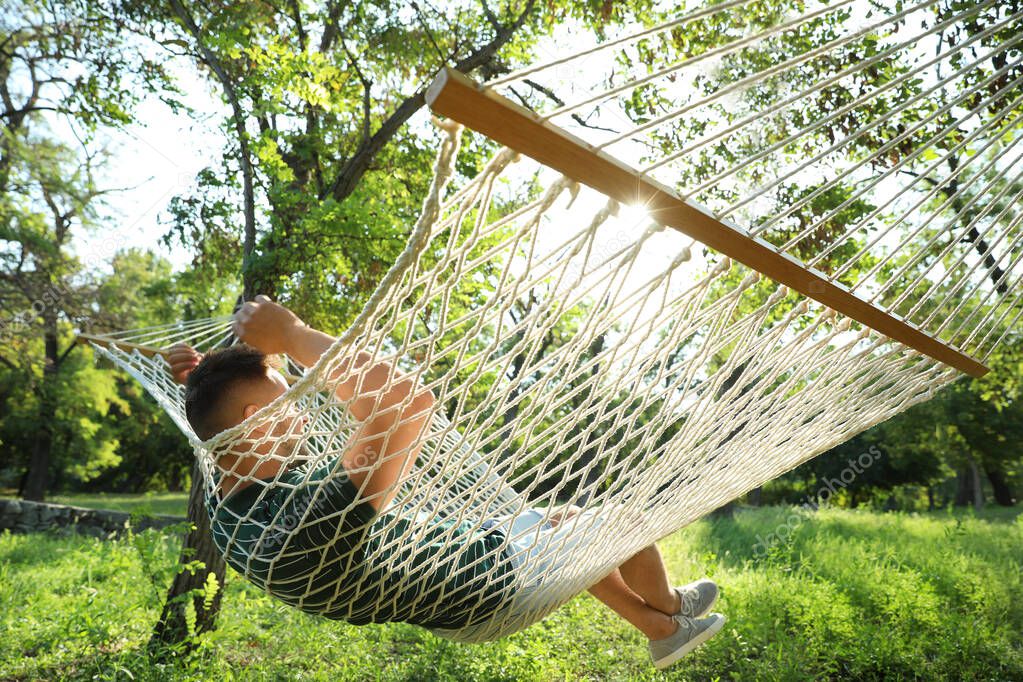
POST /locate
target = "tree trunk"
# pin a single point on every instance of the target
(172, 628)
(930, 498)
(972, 235)
(1000, 487)
(198, 545)
(975, 488)
(725, 511)
(754, 496)
(38, 478)
(964, 490)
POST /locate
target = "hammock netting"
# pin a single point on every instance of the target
(622, 368)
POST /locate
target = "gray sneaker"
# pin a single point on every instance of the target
(697, 598)
(691, 633)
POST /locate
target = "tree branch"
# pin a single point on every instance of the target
(367, 85)
(331, 28)
(972, 236)
(249, 241)
(426, 29)
(296, 15)
(547, 92)
(67, 352)
(355, 167)
(489, 14)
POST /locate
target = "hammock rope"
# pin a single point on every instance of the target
(626, 369)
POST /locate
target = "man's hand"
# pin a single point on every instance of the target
(182, 359)
(266, 326)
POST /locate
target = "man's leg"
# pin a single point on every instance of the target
(646, 575)
(613, 591)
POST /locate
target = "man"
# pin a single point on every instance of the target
(303, 532)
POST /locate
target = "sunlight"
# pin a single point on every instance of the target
(634, 214)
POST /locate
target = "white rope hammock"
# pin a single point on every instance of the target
(636, 377)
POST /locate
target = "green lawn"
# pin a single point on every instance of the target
(171, 504)
(845, 595)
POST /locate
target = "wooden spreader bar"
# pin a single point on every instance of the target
(456, 96)
(148, 351)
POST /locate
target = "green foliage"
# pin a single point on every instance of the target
(84, 441)
(149, 546)
(63, 64)
(323, 91)
(106, 432)
(976, 420)
(1002, 386)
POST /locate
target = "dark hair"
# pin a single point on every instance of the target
(214, 377)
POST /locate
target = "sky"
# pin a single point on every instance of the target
(152, 160)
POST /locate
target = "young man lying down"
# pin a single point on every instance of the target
(460, 573)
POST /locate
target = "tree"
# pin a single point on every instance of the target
(141, 290)
(59, 63)
(988, 413)
(36, 277)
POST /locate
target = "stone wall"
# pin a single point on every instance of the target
(20, 516)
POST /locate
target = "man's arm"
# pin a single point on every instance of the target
(387, 441)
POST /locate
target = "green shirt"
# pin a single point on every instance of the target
(308, 540)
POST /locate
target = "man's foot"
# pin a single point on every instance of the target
(691, 633)
(696, 598)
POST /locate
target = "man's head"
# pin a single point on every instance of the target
(227, 386)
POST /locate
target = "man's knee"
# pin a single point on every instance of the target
(563, 513)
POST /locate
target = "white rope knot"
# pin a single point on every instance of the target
(722, 266)
(777, 295)
(683, 256)
(448, 125)
(573, 189)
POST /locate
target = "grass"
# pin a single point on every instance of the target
(835, 594)
(170, 504)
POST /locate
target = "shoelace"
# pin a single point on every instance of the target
(690, 597)
(688, 624)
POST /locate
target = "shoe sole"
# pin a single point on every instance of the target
(686, 648)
